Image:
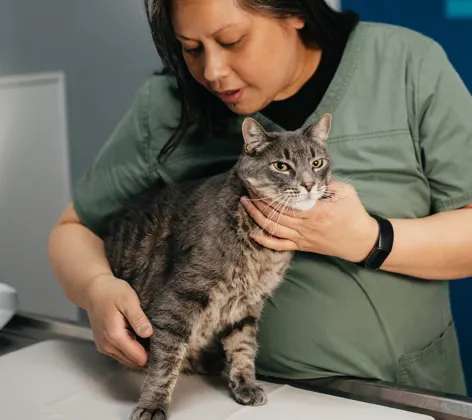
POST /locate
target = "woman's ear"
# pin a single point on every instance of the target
(296, 23)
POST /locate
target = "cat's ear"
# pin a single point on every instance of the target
(255, 137)
(319, 131)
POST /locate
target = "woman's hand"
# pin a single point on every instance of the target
(113, 305)
(337, 226)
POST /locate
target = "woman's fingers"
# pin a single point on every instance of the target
(112, 351)
(271, 223)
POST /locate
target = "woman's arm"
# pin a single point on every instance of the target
(124, 167)
(437, 247)
(77, 257)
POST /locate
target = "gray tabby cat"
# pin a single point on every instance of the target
(201, 279)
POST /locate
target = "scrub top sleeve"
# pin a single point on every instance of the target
(444, 110)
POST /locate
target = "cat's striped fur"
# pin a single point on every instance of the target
(201, 279)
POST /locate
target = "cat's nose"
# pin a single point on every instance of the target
(309, 187)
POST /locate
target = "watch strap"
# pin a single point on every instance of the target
(383, 245)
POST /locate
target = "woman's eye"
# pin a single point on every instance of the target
(231, 44)
(192, 50)
(281, 166)
(198, 50)
(318, 163)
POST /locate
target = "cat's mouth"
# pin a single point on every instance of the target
(307, 200)
(299, 202)
(305, 204)
(290, 198)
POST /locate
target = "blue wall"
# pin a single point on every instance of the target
(450, 23)
(461, 296)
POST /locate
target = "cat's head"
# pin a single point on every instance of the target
(290, 168)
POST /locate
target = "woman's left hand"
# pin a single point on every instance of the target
(338, 226)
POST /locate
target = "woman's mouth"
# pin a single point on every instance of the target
(230, 96)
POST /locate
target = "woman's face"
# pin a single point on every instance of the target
(244, 58)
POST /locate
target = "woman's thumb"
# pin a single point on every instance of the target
(137, 319)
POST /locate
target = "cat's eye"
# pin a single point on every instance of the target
(317, 164)
(281, 166)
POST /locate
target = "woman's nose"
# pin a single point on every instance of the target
(216, 67)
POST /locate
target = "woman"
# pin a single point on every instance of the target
(401, 135)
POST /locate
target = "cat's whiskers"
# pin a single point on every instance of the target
(346, 181)
(291, 208)
(265, 198)
(270, 204)
(341, 196)
(294, 197)
(288, 195)
(291, 200)
(280, 214)
(269, 218)
(324, 192)
(259, 199)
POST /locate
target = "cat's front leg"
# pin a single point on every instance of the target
(240, 346)
(165, 360)
(172, 326)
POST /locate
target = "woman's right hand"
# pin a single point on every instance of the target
(113, 305)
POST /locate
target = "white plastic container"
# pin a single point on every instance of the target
(8, 303)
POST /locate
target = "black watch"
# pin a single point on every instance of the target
(382, 247)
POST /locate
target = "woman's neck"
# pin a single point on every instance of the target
(310, 59)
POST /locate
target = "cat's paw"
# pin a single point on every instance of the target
(249, 394)
(140, 413)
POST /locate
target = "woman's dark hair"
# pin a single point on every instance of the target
(201, 111)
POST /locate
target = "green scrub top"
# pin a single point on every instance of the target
(402, 133)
